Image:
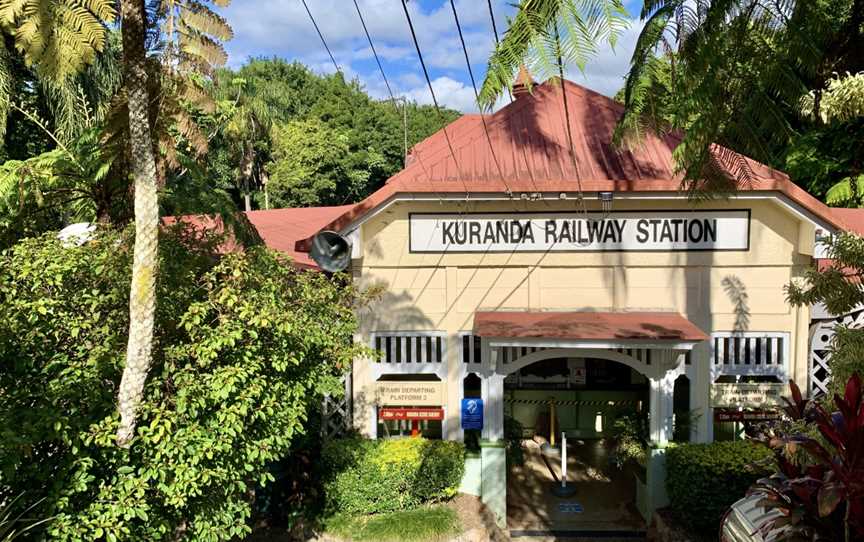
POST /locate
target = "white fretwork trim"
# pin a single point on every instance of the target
(409, 352)
(750, 353)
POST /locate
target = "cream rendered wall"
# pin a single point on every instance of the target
(718, 291)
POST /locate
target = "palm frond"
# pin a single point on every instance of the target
(59, 37)
(718, 93)
(545, 33)
(194, 34)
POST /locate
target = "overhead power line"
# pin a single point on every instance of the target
(567, 119)
(492, 16)
(320, 35)
(393, 98)
(374, 52)
(495, 33)
(434, 99)
(477, 99)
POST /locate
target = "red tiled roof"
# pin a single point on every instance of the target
(853, 218)
(587, 325)
(279, 229)
(529, 139)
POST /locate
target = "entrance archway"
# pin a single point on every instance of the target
(593, 400)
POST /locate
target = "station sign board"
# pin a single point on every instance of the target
(410, 393)
(623, 231)
(753, 395)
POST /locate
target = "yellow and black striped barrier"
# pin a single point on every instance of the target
(575, 402)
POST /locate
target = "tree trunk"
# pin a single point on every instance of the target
(142, 295)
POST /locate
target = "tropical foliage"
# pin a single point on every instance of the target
(243, 347)
(266, 97)
(310, 167)
(841, 103)
(58, 36)
(838, 287)
(821, 498)
(546, 35)
(733, 72)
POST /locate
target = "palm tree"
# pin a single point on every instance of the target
(60, 38)
(190, 29)
(142, 294)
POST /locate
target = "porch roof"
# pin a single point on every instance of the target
(635, 326)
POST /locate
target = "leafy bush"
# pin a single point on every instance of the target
(630, 435)
(243, 346)
(513, 435)
(703, 480)
(820, 496)
(371, 476)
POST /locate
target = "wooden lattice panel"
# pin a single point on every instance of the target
(820, 348)
(336, 412)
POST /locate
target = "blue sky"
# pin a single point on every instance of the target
(282, 28)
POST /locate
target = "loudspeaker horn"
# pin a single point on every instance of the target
(331, 251)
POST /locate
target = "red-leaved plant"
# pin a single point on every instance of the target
(823, 498)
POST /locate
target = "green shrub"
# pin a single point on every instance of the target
(371, 476)
(243, 346)
(703, 480)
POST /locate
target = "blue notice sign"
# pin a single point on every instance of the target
(472, 413)
(570, 507)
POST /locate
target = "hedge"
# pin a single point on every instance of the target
(364, 476)
(703, 480)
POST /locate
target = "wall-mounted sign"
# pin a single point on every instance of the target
(411, 413)
(730, 415)
(747, 395)
(410, 393)
(472, 413)
(578, 372)
(656, 231)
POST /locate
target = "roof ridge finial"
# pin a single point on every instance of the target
(523, 82)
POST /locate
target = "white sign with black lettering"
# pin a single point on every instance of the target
(656, 231)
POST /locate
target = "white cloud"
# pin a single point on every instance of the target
(268, 28)
(449, 92)
(605, 73)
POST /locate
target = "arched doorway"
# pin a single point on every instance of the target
(602, 406)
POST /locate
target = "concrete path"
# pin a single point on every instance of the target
(603, 507)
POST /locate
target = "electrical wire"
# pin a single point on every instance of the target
(320, 35)
(495, 33)
(374, 52)
(477, 100)
(434, 99)
(387, 84)
(567, 120)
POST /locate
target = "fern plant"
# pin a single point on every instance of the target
(14, 522)
(842, 100)
(60, 39)
(193, 34)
